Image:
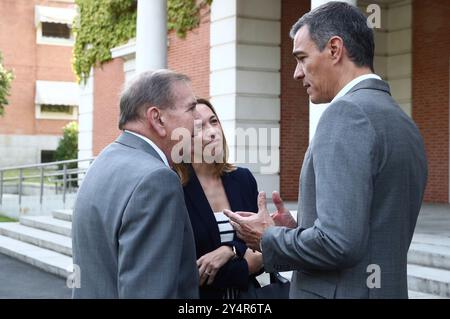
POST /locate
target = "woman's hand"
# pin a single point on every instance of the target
(210, 263)
(254, 260)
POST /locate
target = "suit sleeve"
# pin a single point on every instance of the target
(343, 154)
(150, 240)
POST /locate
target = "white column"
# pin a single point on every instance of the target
(151, 35)
(396, 33)
(86, 119)
(245, 82)
(316, 110)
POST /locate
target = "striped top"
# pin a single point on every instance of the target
(225, 229)
(226, 235)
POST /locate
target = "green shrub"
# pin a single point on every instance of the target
(68, 149)
(68, 145)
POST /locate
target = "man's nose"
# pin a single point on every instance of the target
(298, 73)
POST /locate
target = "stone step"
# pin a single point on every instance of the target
(47, 260)
(41, 238)
(420, 295)
(439, 240)
(48, 223)
(429, 255)
(429, 280)
(63, 214)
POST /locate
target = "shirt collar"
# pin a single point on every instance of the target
(156, 148)
(352, 83)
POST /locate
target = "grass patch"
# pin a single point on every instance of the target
(4, 219)
(28, 172)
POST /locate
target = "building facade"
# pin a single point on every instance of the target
(36, 42)
(240, 57)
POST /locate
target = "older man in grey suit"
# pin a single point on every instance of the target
(363, 175)
(132, 237)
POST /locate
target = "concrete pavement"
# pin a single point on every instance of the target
(22, 281)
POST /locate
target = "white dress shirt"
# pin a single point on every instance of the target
(352, 83)
(156, 148)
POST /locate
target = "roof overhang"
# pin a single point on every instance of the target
(54, 15)
(57, 93)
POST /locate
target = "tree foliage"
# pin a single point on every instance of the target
(6, 78)
(104, 24)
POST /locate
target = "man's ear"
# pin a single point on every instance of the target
(336, 48)
(154, 118)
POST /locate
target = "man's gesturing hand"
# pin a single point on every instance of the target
(282, 217)
(250, 226)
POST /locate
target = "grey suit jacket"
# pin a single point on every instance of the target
(361, 189)
(132, 237)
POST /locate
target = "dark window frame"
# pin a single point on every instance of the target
(56, 30)
(56, 109)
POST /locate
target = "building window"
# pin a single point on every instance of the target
(54, 25)
(65, 109)
(55, 30)
(47, 156)
(56, 100)
(56, 112)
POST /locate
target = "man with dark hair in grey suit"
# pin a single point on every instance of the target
(363, 175)
(132, 236)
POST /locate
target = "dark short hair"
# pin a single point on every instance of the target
(147, 89)
(341, 19)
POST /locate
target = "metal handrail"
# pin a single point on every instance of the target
(66, 174)
(46, 164)
(57, 173)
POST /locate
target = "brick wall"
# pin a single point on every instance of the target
(430, 90)
(294, 121)
(30, 62)
(108, 82)
(19, 54)
(189, 56)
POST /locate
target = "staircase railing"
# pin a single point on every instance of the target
(64, 176)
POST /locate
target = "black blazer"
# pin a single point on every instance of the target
(242, 192)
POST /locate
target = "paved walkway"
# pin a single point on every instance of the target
(434, 219)
(19, 280)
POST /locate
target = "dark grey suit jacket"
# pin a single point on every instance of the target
(361, 189)
(132, 237)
